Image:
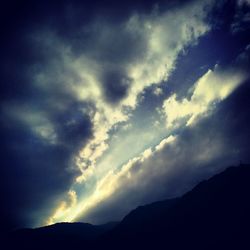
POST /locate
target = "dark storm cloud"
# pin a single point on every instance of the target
(73, 128)
(37, 152)
(241, 20)
(30, 175)
(93, 28)
(110, 42)
(35, 172)
(116, 86)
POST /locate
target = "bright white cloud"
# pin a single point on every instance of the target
(211, 88)
(167, 35)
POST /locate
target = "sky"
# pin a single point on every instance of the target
(107, 106)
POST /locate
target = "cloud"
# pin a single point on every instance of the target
(242, 17)
(34, 175)
(211, 88)
(38, 161)
(38, 121)
(158, 91)
(65, 206)
(242, 2)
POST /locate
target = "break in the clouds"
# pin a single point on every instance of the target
(108, 106)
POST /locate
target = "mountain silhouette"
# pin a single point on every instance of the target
(58, 236)
(213, 215)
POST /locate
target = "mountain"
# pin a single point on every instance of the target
(57, 236)
(214, 215)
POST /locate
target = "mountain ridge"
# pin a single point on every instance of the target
(213, 215)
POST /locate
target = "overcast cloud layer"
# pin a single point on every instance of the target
(107, 108)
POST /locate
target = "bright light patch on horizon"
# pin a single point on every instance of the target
(105, 187)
